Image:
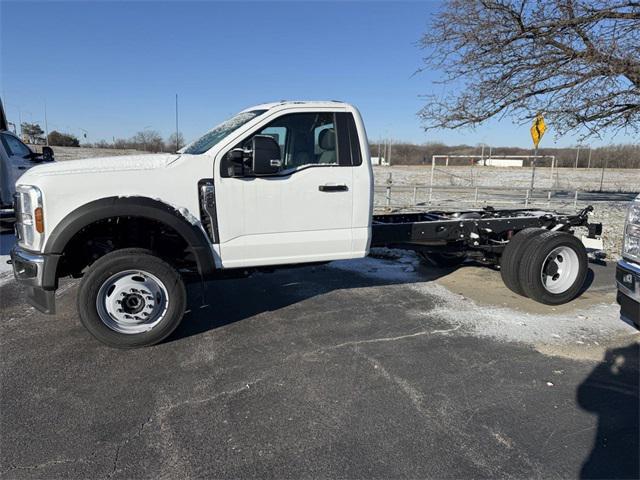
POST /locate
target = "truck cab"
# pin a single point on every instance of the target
(311, 203)
(277, 184)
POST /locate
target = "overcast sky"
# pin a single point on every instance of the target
(113, 68)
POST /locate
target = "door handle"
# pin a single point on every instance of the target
(333, 188)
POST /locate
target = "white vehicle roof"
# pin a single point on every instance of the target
(306, 103)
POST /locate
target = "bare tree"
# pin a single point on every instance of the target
(576, 61)
(148, 140)
(174, 142)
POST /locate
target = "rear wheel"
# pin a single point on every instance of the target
(442, 259)
(512, 258)
(130, 298)
(554, 268)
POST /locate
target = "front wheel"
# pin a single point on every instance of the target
(130, 298)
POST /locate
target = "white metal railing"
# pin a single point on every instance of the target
(482, 159)
(412, 195)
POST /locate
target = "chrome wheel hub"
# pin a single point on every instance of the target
(560, 270)
(132, 301)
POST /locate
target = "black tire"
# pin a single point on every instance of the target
(47, 154)
(442, 260)
(512, 258)
(535, 255)
(121, 261)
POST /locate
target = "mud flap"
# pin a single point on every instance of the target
(42, 300)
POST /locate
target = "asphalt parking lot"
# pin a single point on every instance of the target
(377, 368)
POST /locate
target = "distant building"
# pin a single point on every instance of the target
(378, 161)
(502, 162)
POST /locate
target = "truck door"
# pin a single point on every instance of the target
(303, 213)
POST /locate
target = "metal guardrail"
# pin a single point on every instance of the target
(523, 196)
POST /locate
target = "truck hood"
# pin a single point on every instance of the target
(103, 164)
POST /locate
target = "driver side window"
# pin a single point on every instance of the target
(304, 139)
(307, 140)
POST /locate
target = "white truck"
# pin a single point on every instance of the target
(277, 184)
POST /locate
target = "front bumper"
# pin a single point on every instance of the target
(628, 282)
(37, 272)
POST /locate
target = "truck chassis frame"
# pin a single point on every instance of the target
(481, 233)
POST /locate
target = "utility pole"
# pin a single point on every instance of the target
(482, 155)
(604, 165)
(386, 148)
(589, 160)
(46, 126)
(533, 168)
(389, 161)
(577, 156)
(177, 131)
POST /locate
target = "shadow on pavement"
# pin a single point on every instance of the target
(232, 300)
(611, 393)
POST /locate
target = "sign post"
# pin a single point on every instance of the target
(537, 131)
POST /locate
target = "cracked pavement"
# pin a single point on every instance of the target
(375, 368)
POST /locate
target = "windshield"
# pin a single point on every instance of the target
(217, 133)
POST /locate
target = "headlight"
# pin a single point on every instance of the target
(631, 243)
(29, 217)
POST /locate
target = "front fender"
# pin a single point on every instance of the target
(145, 207)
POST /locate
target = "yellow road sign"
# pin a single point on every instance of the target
(537, 129)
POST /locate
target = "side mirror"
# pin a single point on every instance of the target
(47, 154)
(266, 155)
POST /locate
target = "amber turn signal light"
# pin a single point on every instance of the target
(39, 220)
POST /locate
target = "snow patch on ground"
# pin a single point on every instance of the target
(6, 270)
(384, 265)
(580, 327)
(5, 277)
(599, 322)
